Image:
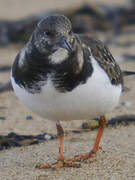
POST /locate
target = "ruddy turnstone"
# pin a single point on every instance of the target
(65, 76)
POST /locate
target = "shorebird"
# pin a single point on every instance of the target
(64, 76)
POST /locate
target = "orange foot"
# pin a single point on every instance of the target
(63, 162)
(73, 162)
(59, 164)
(84, 157)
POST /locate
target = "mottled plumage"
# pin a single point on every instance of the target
(68, 74)
(105, 59)
(65, 76)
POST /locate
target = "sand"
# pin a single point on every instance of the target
(115, 161)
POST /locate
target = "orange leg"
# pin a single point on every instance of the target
(60, 132)
(63, 162)
(102, 124)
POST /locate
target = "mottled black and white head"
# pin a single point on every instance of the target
(54, 33)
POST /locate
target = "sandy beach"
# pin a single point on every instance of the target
(116, 159)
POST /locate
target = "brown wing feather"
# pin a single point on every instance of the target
(104, 59)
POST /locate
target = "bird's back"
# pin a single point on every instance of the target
(104, 58)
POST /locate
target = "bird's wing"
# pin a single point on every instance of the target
(104, 58)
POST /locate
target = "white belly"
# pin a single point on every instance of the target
(95, 98)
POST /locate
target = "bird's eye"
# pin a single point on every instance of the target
(70, 32)
(49, 33)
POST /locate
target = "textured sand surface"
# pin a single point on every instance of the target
(116, 160)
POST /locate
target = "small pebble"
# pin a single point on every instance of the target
(90, 125)
(5, 68)
(1, 148)
(12, 134)
(126, 104)
(29, 118)
(48, 136)
(2, 118)
(45, 136)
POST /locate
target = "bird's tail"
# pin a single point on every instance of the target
(128, 73)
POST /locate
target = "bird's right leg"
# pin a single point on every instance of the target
(62, 161)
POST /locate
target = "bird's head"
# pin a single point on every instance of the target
(52, 33)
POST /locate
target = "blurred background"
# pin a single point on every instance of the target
(113, 22)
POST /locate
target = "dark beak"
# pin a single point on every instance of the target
(64, 44)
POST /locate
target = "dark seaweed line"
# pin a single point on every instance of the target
(113, 122)
(16, 140)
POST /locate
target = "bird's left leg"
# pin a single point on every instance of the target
(92, 153)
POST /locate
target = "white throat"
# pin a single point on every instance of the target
(22, 58)
(59, 56)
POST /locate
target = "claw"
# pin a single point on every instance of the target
(73, 162)
(59, 164)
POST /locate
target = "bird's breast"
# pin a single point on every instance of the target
(94, 98)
